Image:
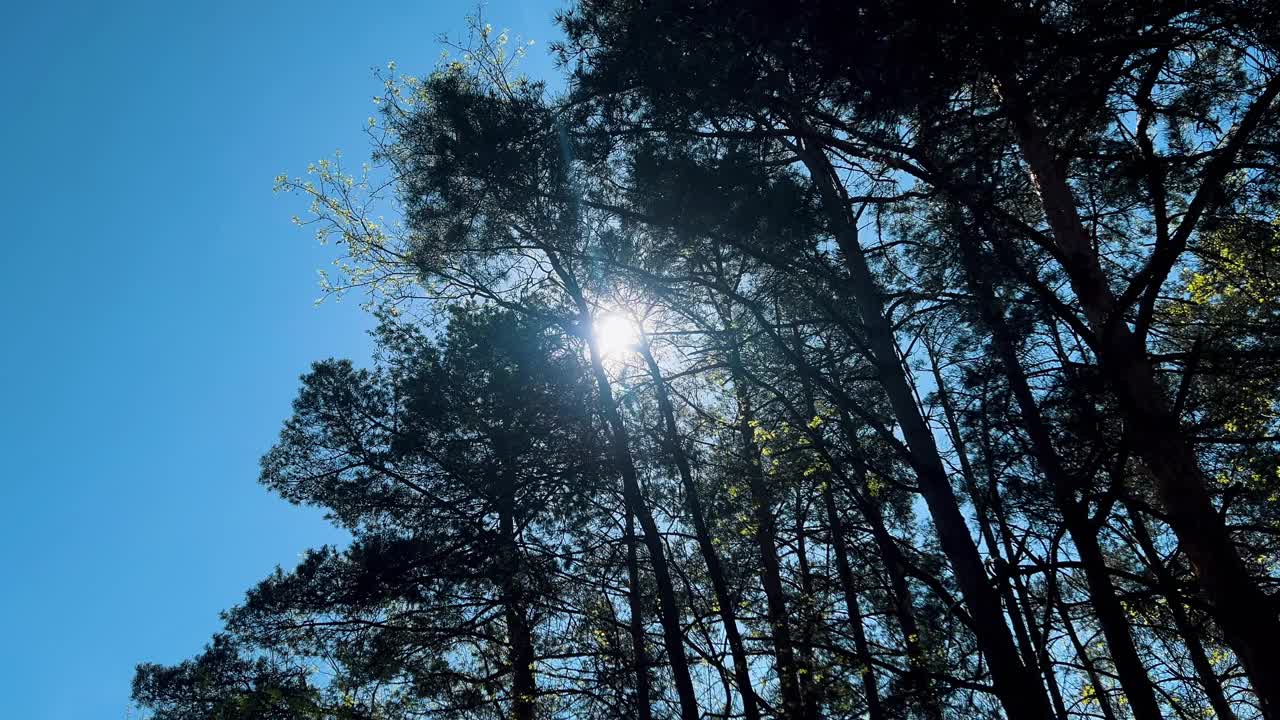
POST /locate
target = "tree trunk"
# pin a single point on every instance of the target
(1015, 684)
(793, 700)
(1115, 626)
(620, 446)
(918, 682)
(635, 623)
(804, 648)
(669, 612)
(523, 686)
(1104, 702)
(720, 587)
(1190, 635)
(1246, 615)
(1014, 593)
(844, 571)
(835, 526)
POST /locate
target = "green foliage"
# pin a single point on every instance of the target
(936, 298)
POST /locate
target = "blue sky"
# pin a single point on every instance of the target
(158, 309)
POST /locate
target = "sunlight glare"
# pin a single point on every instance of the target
(615, 334)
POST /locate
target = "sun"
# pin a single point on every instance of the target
(615, 334)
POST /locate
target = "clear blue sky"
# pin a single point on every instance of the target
(157, 310)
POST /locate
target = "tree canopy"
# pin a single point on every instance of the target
(947, 385)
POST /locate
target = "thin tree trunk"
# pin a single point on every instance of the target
(793, 700)
(523, 687)
(720, 587)
(904, 609)
(918, 682)
(1015, 684)
(844, 571)
(804, 649)
(835, 526)
(790, 667)
(1115, 626)
(669, 612)
(1104, 702)
(896, 568)
(1016, 598)
(1021, 604)
(1190, 636)
(635, 602)
(620, 446)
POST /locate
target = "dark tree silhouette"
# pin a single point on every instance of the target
(949, 387)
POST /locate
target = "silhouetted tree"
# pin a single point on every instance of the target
(952, 390)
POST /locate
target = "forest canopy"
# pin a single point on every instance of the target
(858, 359)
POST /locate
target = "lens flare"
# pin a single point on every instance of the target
(615, 334)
